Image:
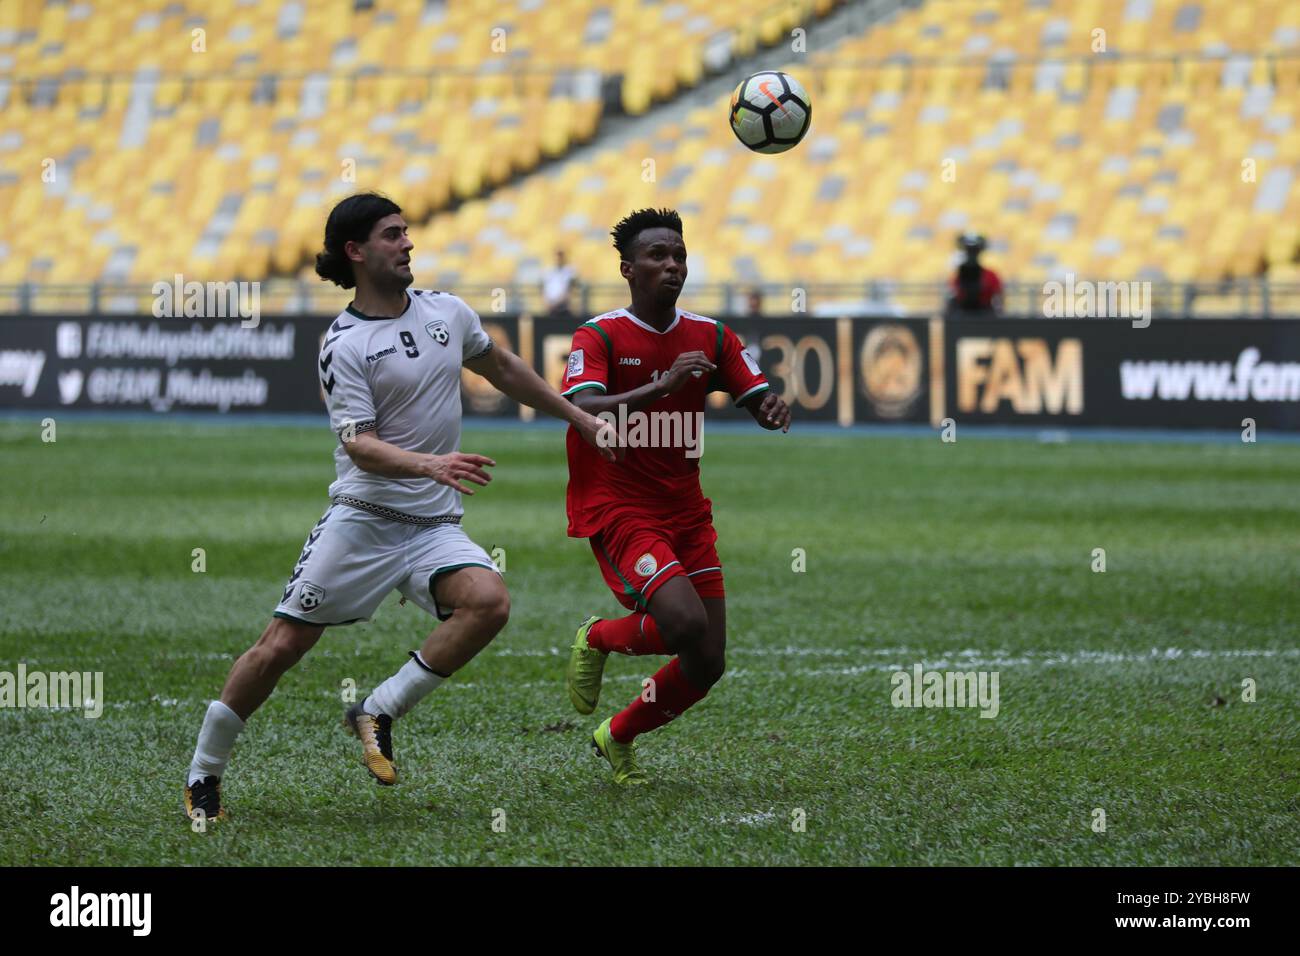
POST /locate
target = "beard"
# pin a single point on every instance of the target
(390, 280)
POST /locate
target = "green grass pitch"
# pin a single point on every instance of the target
(1119, 690)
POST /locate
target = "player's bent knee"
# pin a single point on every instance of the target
(497, 614)
(703, 667)
(683, 626)
(712, 668)
(490, 612)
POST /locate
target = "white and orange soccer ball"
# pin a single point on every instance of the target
(770, 112)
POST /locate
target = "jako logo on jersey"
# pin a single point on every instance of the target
(310, 596)
(381, 353)
(629, 361)
(646, 565)
(576, 363)
(438, 330)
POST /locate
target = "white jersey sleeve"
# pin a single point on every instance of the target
(347, 388)
(475, 341)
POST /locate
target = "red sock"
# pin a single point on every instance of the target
(673, 693)
(634, 635)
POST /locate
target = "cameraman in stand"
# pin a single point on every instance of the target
(975, 291)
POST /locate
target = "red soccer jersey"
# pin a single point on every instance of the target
(617, 352)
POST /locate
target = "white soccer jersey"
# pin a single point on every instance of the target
(400, 378)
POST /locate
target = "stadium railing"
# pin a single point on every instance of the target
(1255, 297)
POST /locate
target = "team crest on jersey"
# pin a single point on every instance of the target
(310, 595)
(438, 330)
(646, 565)
(577, 360)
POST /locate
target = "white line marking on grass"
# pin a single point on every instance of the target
(749, 819)
(155, 699)
(972, 654)
(896, 657)
(981, 660)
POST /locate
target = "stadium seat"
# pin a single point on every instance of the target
(1103, 203)
(901, 156)
(381, 121)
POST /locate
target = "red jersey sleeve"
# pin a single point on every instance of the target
(588, 361)
(738, 369)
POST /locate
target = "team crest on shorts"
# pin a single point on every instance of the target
(646, 565)
(310, 595)
(438, 330)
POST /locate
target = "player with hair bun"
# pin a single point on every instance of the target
(390, 367)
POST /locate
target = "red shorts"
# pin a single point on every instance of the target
(638, 553)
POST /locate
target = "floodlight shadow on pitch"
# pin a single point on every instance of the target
(770, 112)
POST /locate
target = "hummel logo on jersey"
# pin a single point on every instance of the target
(629, 361)
(381, 353)
(438, 330)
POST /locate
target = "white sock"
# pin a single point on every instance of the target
(395, 696)
(221, 726)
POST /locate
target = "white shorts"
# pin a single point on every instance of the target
(353, 559)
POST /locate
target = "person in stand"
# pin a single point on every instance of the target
(975, 291)
(558, 285)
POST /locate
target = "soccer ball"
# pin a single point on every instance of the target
(770, 112)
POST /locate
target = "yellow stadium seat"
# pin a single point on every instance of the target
(214, 94)
(1046, 173)
(1286, 71)
(637, 92)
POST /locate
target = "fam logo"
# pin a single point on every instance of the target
(438, 331)
(891, 370)
(1021, 371)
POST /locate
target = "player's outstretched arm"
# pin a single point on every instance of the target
(769, 411)
(512, 376)
(371, 453)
